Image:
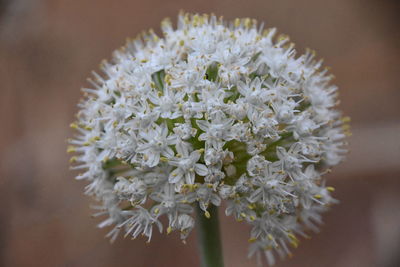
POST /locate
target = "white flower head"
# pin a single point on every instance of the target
(212, 111)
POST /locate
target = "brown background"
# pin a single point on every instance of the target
(49, 47)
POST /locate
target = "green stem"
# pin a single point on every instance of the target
(209, 238)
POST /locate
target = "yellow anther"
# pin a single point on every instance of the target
(318, 196)
(207, 214)
(156, 210)
(169, 229)
(201, 150)
(181, 42)
(115, 124)
(167, 79)
(292, 237)
(247, 22)
(96, 138)
(346, 127)
(166, 22)
(346, 119)
(243, 215)
(73, 159)
(330, 188)
(266, 32)
(71, 149)
(195, 20)
(270, 237)
(163, 159)
(237, 22)
(283, 37)
(143, 61)
(294, 244)
(252, 240)
(252, 218)
(74, 125)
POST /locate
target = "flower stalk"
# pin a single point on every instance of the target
(209, 239)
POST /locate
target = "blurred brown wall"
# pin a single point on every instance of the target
(49, 47)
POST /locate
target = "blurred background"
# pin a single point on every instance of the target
(49, 47)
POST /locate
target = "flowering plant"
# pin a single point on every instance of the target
(212, 111)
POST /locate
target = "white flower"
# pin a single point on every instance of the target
(184, 130)
(171, 204)
(167, 104)
(185, 224)
(187, 167)
(206, 195)
(253, 92)
(140, 222)
(133, 190)
(157, 144)
(213, 110)
(215, 131)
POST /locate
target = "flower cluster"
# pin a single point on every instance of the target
(212, 111)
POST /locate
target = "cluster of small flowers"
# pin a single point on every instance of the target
(212, 111)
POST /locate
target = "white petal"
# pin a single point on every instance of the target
(189, 176)
(201, 169)
(168, 152)
(154, 159)
(175, 176)
(203, 125)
